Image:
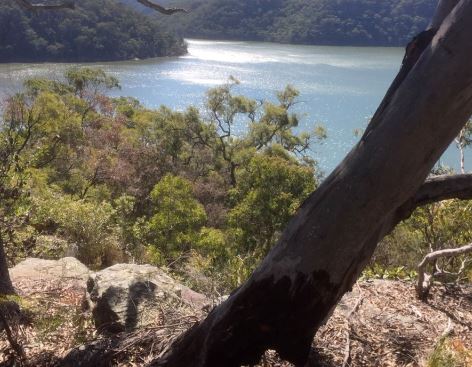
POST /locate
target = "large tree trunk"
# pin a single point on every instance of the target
(102, 353)
(328, 243)
(6, 286)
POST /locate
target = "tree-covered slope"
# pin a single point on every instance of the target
(97, 30)
(324, 22)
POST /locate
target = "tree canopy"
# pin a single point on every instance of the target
(321, 22)
(95, 30)
(112, 180)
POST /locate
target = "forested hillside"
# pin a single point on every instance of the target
(323, 22)
(117, 181)
(108, 181)
(97, 30)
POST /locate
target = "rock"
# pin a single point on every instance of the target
(126, 296)
(121, 298)
(68, 268)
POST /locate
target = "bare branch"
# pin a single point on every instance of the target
(29, 6)
(161, 9)
(347, 351)
(70, 5)
(444, 187)
(425, 280)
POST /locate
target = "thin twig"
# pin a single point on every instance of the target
(347, 350)
(11, 339)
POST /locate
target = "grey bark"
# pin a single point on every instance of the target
(330, 240)
(443, 9)
(442, 187)
(425, 281)
(101, 353)
(6, 287)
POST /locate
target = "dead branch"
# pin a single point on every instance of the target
(444, 187)
(448, 330)
(10, 310)
(347, 351)
(161, 9)
(71, 5)
(40, 6)
(425, 280)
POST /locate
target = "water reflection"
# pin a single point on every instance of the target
(340, 86)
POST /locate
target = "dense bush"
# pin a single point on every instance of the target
(97, 30)
(320, 22)
(109, 180)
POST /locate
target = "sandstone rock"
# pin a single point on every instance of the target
(68, 268)
(122, 297)
(126, 296)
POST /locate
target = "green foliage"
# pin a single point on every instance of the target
(270, 189)
(450, 353)
(321, 22)
(97, 30)
(82, 79)
(176, 218)
(464, 139)
(50, 247)
(212, 244)
(376, 271)
(108, 179)
(87, 226)
(447, 224)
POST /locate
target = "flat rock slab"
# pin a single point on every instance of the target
(68, 268)
(127, 296)
(123, 297)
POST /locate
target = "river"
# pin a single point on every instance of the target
(340, 87)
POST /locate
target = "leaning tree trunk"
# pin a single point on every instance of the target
(330, 240)
(6, 286)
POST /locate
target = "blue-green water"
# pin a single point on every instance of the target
(340, 86)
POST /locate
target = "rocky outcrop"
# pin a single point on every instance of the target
(121, 298)
(66, 269)
(126, 296)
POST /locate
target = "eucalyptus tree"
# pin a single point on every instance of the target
(328, 243)
(330, 240)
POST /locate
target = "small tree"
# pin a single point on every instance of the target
(176, 220)
(20, 123)
(270, 189)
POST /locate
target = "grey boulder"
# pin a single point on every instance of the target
(127, 296)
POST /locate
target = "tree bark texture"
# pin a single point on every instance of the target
(101, 353)
(6, 286)
(328, 243)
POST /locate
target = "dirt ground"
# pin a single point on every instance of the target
(380, 323)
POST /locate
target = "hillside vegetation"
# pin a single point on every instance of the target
(108, 180)
(97, 30)
(321, 22)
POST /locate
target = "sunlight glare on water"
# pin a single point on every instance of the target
(340, 87)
